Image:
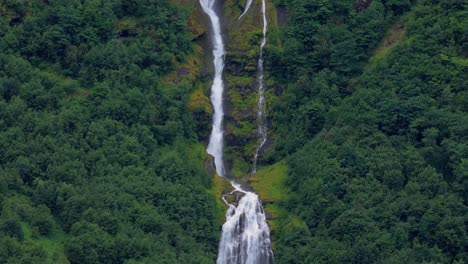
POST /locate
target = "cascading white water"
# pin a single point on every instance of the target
(261, 119)
(215, 146)
(246, 237)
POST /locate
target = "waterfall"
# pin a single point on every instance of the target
(245, 237)
(215, 146)
(261, 118)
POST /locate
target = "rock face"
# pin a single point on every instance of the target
(210, 166)
(244, 36)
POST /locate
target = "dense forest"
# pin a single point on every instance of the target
(102, 154)
(373, 125)
(99, 158)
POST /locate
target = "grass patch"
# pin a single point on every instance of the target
(269, 182)
(239, 29)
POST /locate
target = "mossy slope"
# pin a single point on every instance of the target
(243, 40)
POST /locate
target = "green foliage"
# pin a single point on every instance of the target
(376, 152)
(96, 163)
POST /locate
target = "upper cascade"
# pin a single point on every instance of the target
(215, 146)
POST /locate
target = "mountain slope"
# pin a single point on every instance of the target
(100, 162)
(374, 135)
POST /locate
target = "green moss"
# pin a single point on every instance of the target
(250, 147)
(239, 81)
(242, 46)
(199, 101)
(232, 8)
(242, 129)
(272, 16)
(240, 168)
(219, 187)
(243, 104)
(241, 32)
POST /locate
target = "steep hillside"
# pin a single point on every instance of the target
(372, 125)
(243, 41)
(99, 160)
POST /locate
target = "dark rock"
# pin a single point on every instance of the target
(282, 15)
(210, 166)
(16, 21)
(269, 216)
(126, 33)
(234, 197)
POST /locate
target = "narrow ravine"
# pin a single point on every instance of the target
(245, 235)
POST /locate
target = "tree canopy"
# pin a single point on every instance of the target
(97, 155)
(374, 134)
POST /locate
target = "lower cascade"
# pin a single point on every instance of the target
(245, 235)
